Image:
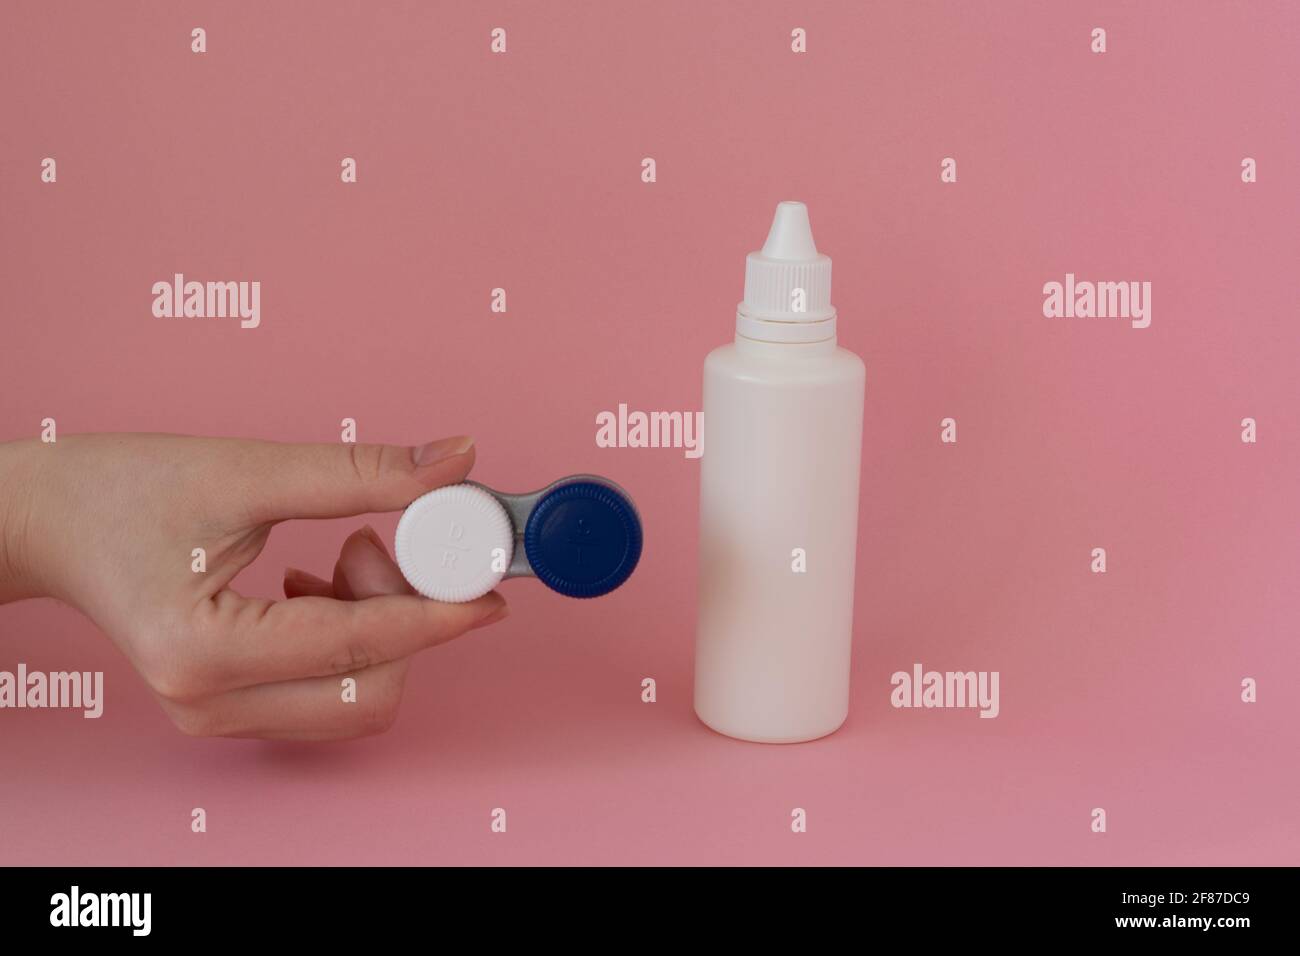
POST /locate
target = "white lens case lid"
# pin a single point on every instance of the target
(455, 544)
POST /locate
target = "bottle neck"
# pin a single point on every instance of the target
(786, 350)
(784, 328)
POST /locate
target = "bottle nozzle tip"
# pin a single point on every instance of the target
(791, 234)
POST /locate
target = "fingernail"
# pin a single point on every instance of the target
(492, 617)
(303, 577)
(373, 537)
(441, 450)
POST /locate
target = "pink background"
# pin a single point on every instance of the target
(523, 171)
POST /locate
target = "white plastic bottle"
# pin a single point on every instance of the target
(779, 502)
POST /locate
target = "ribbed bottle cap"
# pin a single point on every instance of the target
(787, 284)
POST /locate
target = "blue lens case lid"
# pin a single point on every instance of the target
(583, 538)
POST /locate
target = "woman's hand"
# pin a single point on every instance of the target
(109, 524)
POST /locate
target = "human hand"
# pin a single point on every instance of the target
(108, 524)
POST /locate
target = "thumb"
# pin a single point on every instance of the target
(334, 481)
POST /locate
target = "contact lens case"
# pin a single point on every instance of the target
(580, 536)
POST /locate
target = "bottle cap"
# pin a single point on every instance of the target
(447, 543)
(787, 284)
